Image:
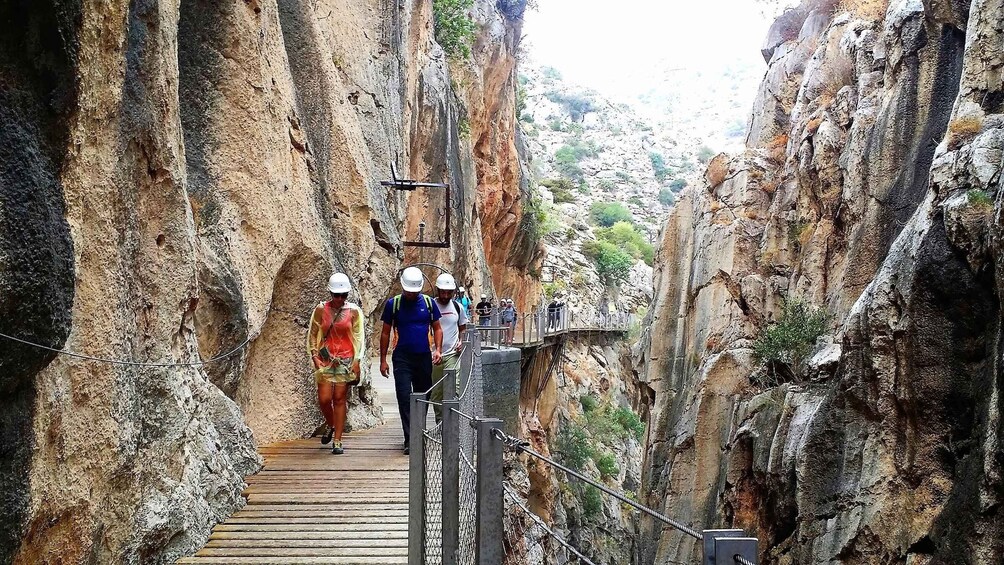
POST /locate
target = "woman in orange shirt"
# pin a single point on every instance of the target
(335, 343)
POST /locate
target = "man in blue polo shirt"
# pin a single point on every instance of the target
(411, 314)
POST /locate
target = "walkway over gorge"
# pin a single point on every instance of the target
(307, 506)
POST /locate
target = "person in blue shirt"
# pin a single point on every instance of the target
(464, 301)
(412, 315)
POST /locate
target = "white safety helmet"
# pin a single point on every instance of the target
(339, 283)
(412, 280)
(484, 296)
(461, 290)
(445, 282)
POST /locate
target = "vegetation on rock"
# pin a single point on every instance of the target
(784, 344)
(455, 29)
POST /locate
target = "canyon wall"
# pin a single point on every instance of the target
(870, 190)
(178, 180)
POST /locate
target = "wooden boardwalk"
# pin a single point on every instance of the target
(308, 506)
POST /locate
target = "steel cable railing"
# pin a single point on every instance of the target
(462, 512)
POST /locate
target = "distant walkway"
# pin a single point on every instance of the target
(308, 506)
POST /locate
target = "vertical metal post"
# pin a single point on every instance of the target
(451, 479)
(416, 480)
(709, 543)
(449, 385)
(489, 536)
(467, 357)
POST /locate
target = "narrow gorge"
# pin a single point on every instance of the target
(869, 194)
(807, 337)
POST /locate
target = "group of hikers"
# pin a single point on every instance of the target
(335, 341)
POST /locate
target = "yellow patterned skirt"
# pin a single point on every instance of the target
(340, 371)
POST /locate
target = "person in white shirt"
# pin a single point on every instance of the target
(453, 322)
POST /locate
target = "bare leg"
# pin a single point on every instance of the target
(340, 405)
(325, 392)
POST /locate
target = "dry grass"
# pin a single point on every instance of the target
(871, 10)
(963, 130)
(716, 205)
(805, 235)
(777, 149)
(718, 171)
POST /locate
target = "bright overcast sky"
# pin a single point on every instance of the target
(614, 46)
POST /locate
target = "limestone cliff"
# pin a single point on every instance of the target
(870, 188)
(178, 178)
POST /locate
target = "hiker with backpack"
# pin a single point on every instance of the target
(454, 323)
(335, 344)
(412, 315)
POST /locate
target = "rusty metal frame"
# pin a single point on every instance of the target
(406, 184)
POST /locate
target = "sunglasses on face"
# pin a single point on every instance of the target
(340, 295)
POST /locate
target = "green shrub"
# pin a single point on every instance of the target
(607, 465)
(786, 342)
(455, 29)
(568, 156)
(592, 503)
(678, 184)
(573, 446)
(552, 288)
(979, 198)
(705, 153)
(554, 124)
(561, 188)
(607, 214)
(629, 422)
(666, 197)
(536, 222)
(612, 264)
(606, 185)
(628, 239)
(589, 403)
(658, 165)
(551, 73)
(576, 105)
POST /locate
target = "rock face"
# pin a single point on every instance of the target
(869, 189)
(574, 409)
(178, 180)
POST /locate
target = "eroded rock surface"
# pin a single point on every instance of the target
(179, 178)
(870, 188)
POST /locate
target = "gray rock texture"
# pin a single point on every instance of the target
(869, 188)
(180, 177)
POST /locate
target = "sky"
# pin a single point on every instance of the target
(615, 47)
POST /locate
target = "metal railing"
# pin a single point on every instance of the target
(535, 326)
(463, 510)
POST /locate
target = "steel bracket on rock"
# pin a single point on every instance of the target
(410, 185)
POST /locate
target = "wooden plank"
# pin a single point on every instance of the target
(333, 550)
(326, 543)
(317, 520)
(347, 560)
(307, 527)
(393, 508)
(311, 535)
(365, 513)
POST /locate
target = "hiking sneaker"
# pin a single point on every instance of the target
(406, 449)
(326, 438)
(336, 449)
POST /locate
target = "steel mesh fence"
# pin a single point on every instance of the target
(433, 448)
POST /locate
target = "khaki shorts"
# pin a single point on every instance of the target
(339, 372)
